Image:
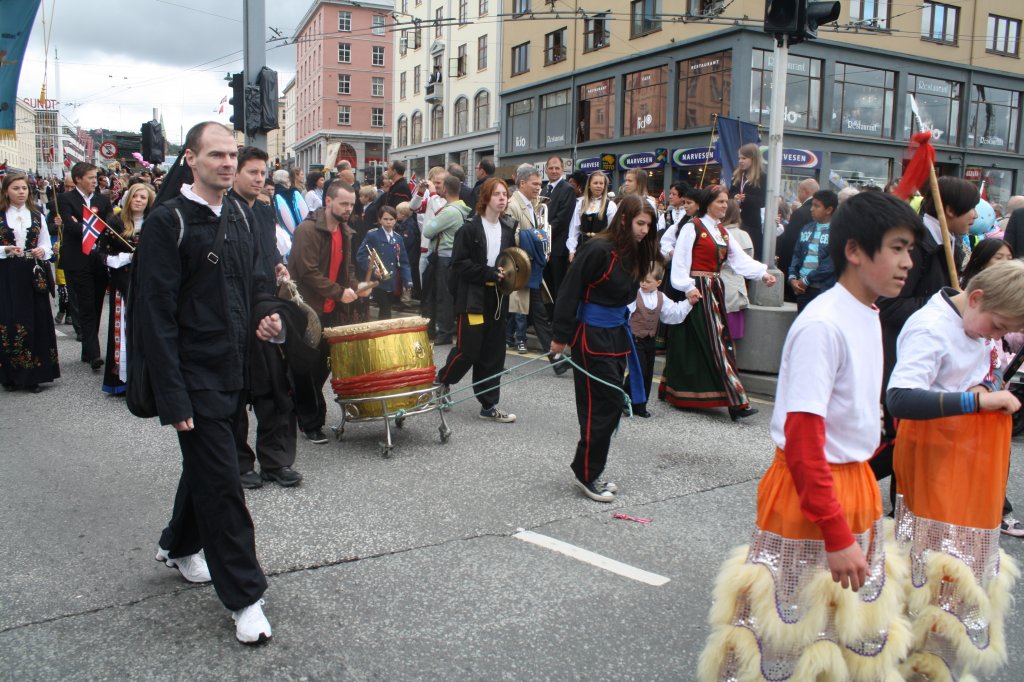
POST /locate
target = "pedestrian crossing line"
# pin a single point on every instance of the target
(592, 558)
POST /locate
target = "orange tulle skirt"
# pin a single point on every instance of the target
(778, 504)
(953, 469)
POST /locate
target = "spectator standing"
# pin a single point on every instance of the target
(797, 221)
(561, 202)
(391, 250)
(484, 172)
(810, 271)
(399, 190)
(315, 190)
(1013, 227)
(289, 203)
(441, 232)
(522, 209)
(748, 191)
(736, 299)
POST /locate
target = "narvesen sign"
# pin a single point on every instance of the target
(791, 158)
(589, 165)
(801, 158)
(655, 159)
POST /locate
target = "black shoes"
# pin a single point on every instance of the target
(597, 490)
(316, 436)
(251, 480)
(559, 364)
(96, 364)
(736, 413)
(285, 476)
(443, 341)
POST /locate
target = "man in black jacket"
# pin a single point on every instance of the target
(86, 273)
(484, 172)
(481, 310)
(194, 294)
(1015, 232)
(561, 204)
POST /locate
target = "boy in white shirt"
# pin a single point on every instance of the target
(951, 455)
(781, 607)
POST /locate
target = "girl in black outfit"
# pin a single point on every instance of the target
(748, 191)
(592, 316)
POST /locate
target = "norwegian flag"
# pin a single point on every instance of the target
(92, 228)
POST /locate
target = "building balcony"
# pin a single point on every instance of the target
(434, 92)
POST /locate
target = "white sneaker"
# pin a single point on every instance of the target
(251, 626)
(192, 567)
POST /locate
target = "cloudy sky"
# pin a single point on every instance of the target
(121, 58)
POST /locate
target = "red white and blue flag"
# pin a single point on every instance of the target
(92, 228)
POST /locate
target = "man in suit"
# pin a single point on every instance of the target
(561, 203)
(86, 273)
(785, 244)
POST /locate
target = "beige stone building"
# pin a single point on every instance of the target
(639, 83)
(20, 153)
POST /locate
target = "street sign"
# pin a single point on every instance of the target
(108, 149)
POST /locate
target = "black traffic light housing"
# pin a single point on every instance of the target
(798, 19)
(237, 101)
(268, 99)
(153, 142)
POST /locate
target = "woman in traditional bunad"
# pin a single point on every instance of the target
(700, 362)
(594, 213)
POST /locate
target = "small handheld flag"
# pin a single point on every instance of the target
(92, 228)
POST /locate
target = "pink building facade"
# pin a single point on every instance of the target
(344, 60)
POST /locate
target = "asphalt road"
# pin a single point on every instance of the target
(380, 569)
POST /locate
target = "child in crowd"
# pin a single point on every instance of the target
(409, 227)
(782, 609)
(951, 457)
(810, 271)
(650, 307)
(736, 299)
(390, 248)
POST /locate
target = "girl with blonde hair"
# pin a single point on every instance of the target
(748, 191)
(594, 212)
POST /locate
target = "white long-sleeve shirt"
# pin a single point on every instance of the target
(574, 225)
(682, 259)
(672, 312)
(19, 220)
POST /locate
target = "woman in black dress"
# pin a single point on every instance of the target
(747, 189)
(117, 252)
(28, 342)
(592, 315)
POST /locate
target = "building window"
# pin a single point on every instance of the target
(940, 23)
(595, 32)
(437, 122)
(554, 47)
(461, 62)
(803, 90)
(518, 125)
(405, 6)
(417, 128)
(436, 74)
(595, 118)
(645, 17)
(378, 55)
(438, 18)
(481, 53)
(861, 171)
(345, 22)
(344, 115)
(482, 111)
(403, 131)
(646, 94)
(704, 86)
(463, 12)
(461, 116)
(377, 25)
(864, 100)
(1003, 35)
(417, 36)
(994, 118)
(403, 42)
(939, 103)
(401, 85)
(870, 13)
(520, 7)
(377, 86)
(344, 84)
(520, 59)
(416, 80)
(554, 119)
(482, 11)
(344, 53)
(377, 117)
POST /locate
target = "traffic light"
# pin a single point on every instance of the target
(153, 142)
(798, 19)
(237, 101)
(782, 17)
(267, 82)
(816, 14)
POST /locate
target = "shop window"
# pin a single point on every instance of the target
(594, 120)
(704, 85)
(555, 130)
(646, 93)
(859, 171)
(803, 90)
(518, 129)
(938, 101)
(994, 118)
(864, 101)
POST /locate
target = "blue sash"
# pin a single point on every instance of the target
(606, 317)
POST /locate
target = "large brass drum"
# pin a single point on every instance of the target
(382, 358)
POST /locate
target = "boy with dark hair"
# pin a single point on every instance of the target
(819, 517)
(389, 247)
(952, 449)
(810, 271)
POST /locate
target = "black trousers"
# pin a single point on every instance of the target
(540, 318)
(209, 508)
(87, 287)
(428, 306)
(275, 435)
(480, 347)
(598, 408)
(384, 299)
(645, 353)
(444, 303)
(310, 406)
(558, 264)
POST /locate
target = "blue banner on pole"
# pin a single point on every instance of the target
(16, 19)
(732, 134)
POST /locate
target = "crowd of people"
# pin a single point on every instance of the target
(279, 260)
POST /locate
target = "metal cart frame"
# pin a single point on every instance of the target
(426, 401)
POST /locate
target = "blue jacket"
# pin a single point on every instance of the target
(532, 244)
(377, 239)
(825, 274)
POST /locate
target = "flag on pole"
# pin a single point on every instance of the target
(733, 134)
(92, 228)
(16, 19)
(223, 101)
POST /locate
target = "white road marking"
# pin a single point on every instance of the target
(59, 332)
(588, 557)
